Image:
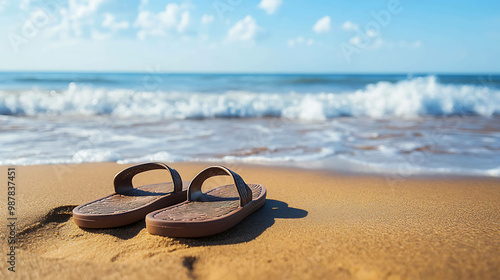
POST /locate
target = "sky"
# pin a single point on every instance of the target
(261, 36)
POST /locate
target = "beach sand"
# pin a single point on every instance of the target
(315, 225)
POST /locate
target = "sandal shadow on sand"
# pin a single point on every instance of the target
(128, 204)
(208, 213)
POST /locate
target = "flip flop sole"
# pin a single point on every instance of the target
(214, 212)
(122, 209)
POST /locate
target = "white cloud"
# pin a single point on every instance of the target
(207, 19)
(270, 6)
(372, 33)
(350, 26)
(300, 41)
(24, 4)
(356, 40)
(73, 19)
(174, 17)
(82, 9)
(3, 4)
(110, 23)
(143, 4)
(379, 43)
(415, 45)
(184, 22)
(322, 25)
(244, 30)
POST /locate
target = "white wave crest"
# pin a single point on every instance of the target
(415, 97)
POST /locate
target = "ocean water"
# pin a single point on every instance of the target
(394, 124)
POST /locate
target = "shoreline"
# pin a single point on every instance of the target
(315, 224)
(283, 166)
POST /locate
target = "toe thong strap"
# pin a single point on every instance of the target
(123, 180)
(244, 191)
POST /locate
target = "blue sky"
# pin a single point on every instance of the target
(250, 36)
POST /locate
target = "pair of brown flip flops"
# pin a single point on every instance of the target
(172, 209)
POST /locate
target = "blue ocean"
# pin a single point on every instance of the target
(393, 124)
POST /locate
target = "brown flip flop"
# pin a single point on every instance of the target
(128, 204)
(208, 213)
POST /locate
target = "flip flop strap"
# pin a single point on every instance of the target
(244, 191)
(123, 180)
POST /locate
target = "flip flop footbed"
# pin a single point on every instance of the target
(214, 211)
(130, 206)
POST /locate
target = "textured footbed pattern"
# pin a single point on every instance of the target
(127, 201)
(212, 204)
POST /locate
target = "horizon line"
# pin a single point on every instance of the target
(247, 73)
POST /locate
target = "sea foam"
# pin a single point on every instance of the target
(423, 96)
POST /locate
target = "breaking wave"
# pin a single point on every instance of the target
(423, 96)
